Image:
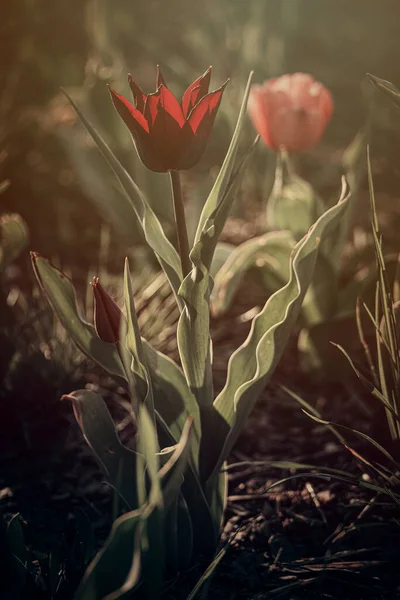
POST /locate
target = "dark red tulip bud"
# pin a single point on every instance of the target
(168, 135)
(107, 315)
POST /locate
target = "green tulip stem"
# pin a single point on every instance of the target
(179, 211)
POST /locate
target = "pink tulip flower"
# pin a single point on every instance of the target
(290, 112)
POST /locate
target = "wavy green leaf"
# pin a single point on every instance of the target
(269, 253)
(194, 323)
(115, 570)
(251, 365)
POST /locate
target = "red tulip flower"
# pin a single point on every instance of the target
(291, 111)
(170, 136)
(107, 315)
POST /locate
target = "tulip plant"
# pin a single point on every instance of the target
(291, 113)
(172, 488)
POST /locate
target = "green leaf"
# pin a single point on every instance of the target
(353, 161)
(14, 237)
(142, 385)
(217, 491)
(386, 87)
(221, 255)
(152, 228)
(147, 451)
(269, 254)
(321, 299)
(205, 579)
(101, 186)
(293, 204)
(172, 472)
(205, 532)
(194, 323)
(97, 426)
(173, 400)
(61, 296)
(151, 497)
(116, 568)
(224, 175)
(174, 403)
(251, 366)
(179, 536)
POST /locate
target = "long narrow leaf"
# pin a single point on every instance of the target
(97, 426)
(226, 170)
(116, 568)
(152, 228)
(142, 380)
(61, 296)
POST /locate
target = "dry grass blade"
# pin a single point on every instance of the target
(313, 411)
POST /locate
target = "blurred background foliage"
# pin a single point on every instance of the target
(59, 183)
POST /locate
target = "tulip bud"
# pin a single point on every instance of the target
(107, 315)
(290, 112)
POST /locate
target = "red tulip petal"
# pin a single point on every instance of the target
(142, 138)
(168, 139)
(208, 104)
(189, 101)
(160, 78)
(195, 143)
(131, 115)
(196, 91)
(151, 106)
(138, 96)
(171, 105)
